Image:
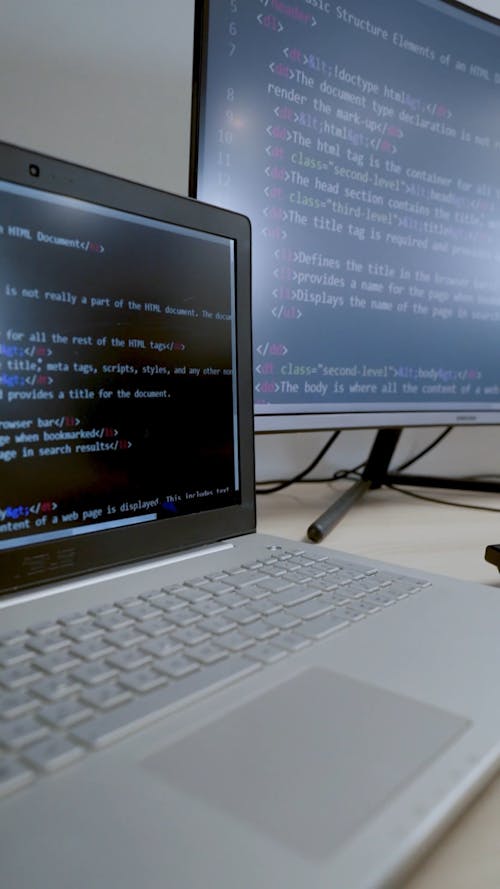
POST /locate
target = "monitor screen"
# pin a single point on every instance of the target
(363, 141)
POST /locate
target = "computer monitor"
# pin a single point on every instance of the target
(363, 141)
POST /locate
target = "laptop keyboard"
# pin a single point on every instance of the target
(83, 681)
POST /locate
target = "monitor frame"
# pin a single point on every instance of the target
(276, 418)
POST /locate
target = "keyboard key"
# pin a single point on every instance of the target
(360, 587)
(233, 600)
(176, 666)
(218, 624)
(53, 753)
(291, 641)
(13, 775)
(295, 595)
(234, 641)
(243, 615)
(64, 714)
(14, 654)
(340, 598)
(275, 570)
(55, 688)
(102, 610)
(384, 578)
(283, 620)
(293, 565)
(266, 653)
(190, 635)
(185, 617)
(16, 703)
(322, 626)
(153, 595)
(129, 659)
(20, 732)
(171, 603)
(404, 586)
(312, 608)
(93, 649)
(13, 637)
(128, 602)
(156, 627)
(207, 653)
(349, 614)
(46, 626)
(264, 606)
(364, 606)
(210, 607)
(126, 638)
(141, 611)
(142, 711)
(47, 643)
(313, 556)
(143, 680)
(356, 571)
(106, 696)
(296, 577)
(161, 647)
(383, 597)
(254, 592)
(57, 662)
(275, 584)
(259, 630)
(94, 672)
(83, 632)
(209, 588)
(343, 577)
(74, 618)
(325, 584)
(19, 676)
(241, 579)
(114, 621)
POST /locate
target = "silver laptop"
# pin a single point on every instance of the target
(185, 703)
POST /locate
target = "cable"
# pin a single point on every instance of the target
(426, 450)
(342, 473)
(346, 473)
(442, 502)
(300, 476)
(355, 471)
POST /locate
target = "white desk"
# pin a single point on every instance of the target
(396, 528)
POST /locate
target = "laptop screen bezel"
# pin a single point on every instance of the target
(36, 564)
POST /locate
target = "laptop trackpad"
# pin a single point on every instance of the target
(308, 762)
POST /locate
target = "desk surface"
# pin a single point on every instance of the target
(397, 528)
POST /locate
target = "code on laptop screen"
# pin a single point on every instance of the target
(117, 383)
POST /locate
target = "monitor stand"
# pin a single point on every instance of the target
(376, 473)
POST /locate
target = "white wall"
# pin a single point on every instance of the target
(492, 7)
(107, 83)
(104, 83)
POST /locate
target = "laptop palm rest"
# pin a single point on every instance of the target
(309, 761)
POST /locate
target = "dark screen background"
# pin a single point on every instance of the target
(116, 386)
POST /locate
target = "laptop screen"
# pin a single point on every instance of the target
(118, 359)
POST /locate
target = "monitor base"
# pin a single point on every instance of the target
(376, 473)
